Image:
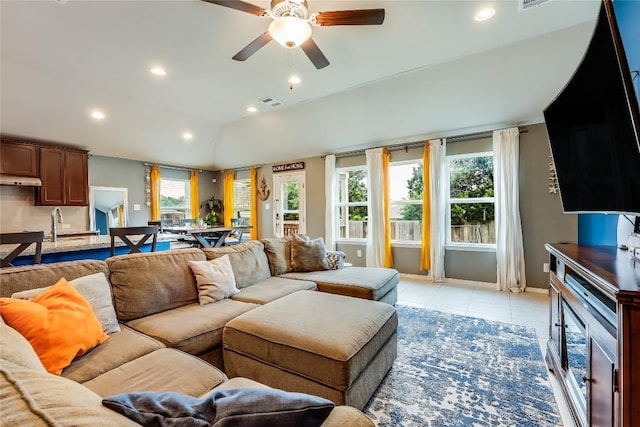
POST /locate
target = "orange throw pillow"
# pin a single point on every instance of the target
(59, 324)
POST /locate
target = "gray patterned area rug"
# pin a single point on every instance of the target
(455, 370)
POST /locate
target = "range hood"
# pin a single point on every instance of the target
(26, 181)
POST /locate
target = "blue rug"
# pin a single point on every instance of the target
(455, 370)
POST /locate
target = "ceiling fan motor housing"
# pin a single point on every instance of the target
(297, 8)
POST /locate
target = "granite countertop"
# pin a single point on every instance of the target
(79, 243)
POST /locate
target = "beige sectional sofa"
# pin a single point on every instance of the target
(167, 341)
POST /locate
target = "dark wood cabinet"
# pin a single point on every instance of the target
(18, 158)
(64, 175)
(594, 344)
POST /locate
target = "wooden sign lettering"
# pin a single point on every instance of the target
(288, 167)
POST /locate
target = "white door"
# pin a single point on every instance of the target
(289, 210)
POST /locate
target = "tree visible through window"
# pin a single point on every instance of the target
(405, 204)
(174, 199)
(471, 199)
(352, 203)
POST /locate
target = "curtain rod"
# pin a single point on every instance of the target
(174, 167)
(457, 138)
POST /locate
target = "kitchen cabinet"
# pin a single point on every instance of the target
(18, 158)
(64, 175)
(594, 345)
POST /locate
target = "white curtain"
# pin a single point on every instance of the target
(437, 176)
(330, 202)
(509, 247)
(375, 195)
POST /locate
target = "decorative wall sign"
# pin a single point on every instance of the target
(288, 167)
(263, 192)
(553, 178)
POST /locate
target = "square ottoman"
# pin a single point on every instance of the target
(333, 346)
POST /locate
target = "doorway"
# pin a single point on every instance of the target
(289, 216)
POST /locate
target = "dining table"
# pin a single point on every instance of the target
(207, 237)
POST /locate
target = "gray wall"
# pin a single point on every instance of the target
(115, 172)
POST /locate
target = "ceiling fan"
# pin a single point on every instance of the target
(291, 26)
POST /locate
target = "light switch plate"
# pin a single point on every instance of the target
(66, 225)
(136, 207)
(267, 206)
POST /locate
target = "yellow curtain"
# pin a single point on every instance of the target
(194, 194)
(227, 186)
(155, 192)
(388, 257)
(120, 216)
(253, 180)
(425, 254)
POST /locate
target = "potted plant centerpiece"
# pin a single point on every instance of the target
(215, 208)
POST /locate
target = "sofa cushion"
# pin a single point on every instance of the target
(308, 255)
(193, 328)
(38, 399)
(278, 250)
(215, 279)
(120, 348)
(271, 289)
(249, 407)
(16, 279)
(248, 260)
(148, 283)
(16, 349)
(96, 290)
(160, 371)
(59, 324)
(361, 282)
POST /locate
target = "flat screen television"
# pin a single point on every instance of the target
(594, 123)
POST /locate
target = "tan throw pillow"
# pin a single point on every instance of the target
(96, 290)
(278, 252)
(215, 279)
(308, 255)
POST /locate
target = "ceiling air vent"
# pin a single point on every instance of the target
(528, 4)
(271, 102)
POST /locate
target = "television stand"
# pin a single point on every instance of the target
(594, 333)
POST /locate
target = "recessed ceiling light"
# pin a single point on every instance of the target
(158, 71)
(485, 14)
(187, 135)
(294, 80)
(98, 115)
(252, 109)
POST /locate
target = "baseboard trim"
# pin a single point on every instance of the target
(487, 285)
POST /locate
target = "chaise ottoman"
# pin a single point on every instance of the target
(377, 284)
(333, 346)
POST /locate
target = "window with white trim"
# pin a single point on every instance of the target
(352, 202)
(405, 201)
(242, 200)
(471, 201)
(175, 203)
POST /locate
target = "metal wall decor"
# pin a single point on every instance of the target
(553, 178)
(263, 191)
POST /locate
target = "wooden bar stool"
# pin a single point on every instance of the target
(23, 240)
(122, 233)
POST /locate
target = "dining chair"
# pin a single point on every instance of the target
(122, 233)
(23, 240)
(157, 223)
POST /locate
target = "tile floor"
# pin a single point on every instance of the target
(479, 299)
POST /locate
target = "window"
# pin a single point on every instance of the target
(175, 204)
(352, 202)
(471, 202)
(242, 200)
(405, 201)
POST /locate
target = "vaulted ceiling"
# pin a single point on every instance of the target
(429, 71)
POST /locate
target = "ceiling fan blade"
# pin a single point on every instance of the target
(240, 5)
(253, 47)
(314, 53)
(351, 17)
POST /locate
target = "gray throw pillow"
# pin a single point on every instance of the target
(96, 290)
(247, 407)
(308, 255)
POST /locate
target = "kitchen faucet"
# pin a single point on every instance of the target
(56, 216)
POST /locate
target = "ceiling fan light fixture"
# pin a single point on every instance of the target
(290, 31)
